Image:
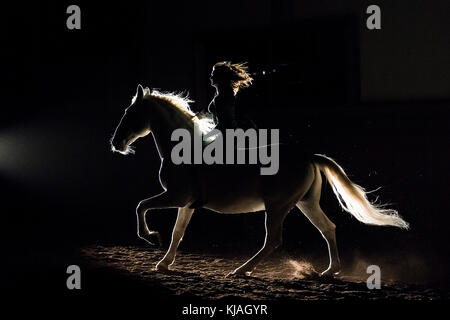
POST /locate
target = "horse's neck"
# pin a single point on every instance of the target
(163, 121)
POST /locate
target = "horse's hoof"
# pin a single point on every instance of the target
(231, 275)
(162, 267)
(330, 273)
(238, 274)
(153, 238)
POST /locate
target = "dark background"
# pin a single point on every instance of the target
(376, 101)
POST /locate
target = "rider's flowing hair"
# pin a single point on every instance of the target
(235, 73)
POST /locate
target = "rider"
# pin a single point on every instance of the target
(228, 78)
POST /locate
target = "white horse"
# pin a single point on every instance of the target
(238, 188)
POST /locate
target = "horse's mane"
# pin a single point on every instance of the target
(181, 101)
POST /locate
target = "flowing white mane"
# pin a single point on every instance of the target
(181, 101)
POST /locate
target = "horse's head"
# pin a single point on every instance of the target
(133, 125)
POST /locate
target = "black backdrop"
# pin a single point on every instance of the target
(62, 188)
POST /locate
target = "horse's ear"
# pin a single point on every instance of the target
(139, 93)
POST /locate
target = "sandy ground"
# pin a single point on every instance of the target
(203, 276)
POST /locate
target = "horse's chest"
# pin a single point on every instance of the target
(170, 174)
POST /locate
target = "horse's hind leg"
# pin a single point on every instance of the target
(274, 227)
(184, 216)
(310, 207)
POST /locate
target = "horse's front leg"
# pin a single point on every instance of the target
(184, 216)
(274, 228)
(160, 201)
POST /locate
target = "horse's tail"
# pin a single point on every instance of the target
(353, 198)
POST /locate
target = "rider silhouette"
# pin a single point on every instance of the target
(228, 78)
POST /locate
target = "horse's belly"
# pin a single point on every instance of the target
(242, 206)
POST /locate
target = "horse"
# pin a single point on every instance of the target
(237, 189)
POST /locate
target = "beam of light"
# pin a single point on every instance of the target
(18, 153)
(43, 153)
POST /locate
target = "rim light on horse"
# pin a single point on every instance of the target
(238, 189)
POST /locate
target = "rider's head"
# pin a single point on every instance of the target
(227, 74)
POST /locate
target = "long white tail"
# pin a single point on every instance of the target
(353, 198)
